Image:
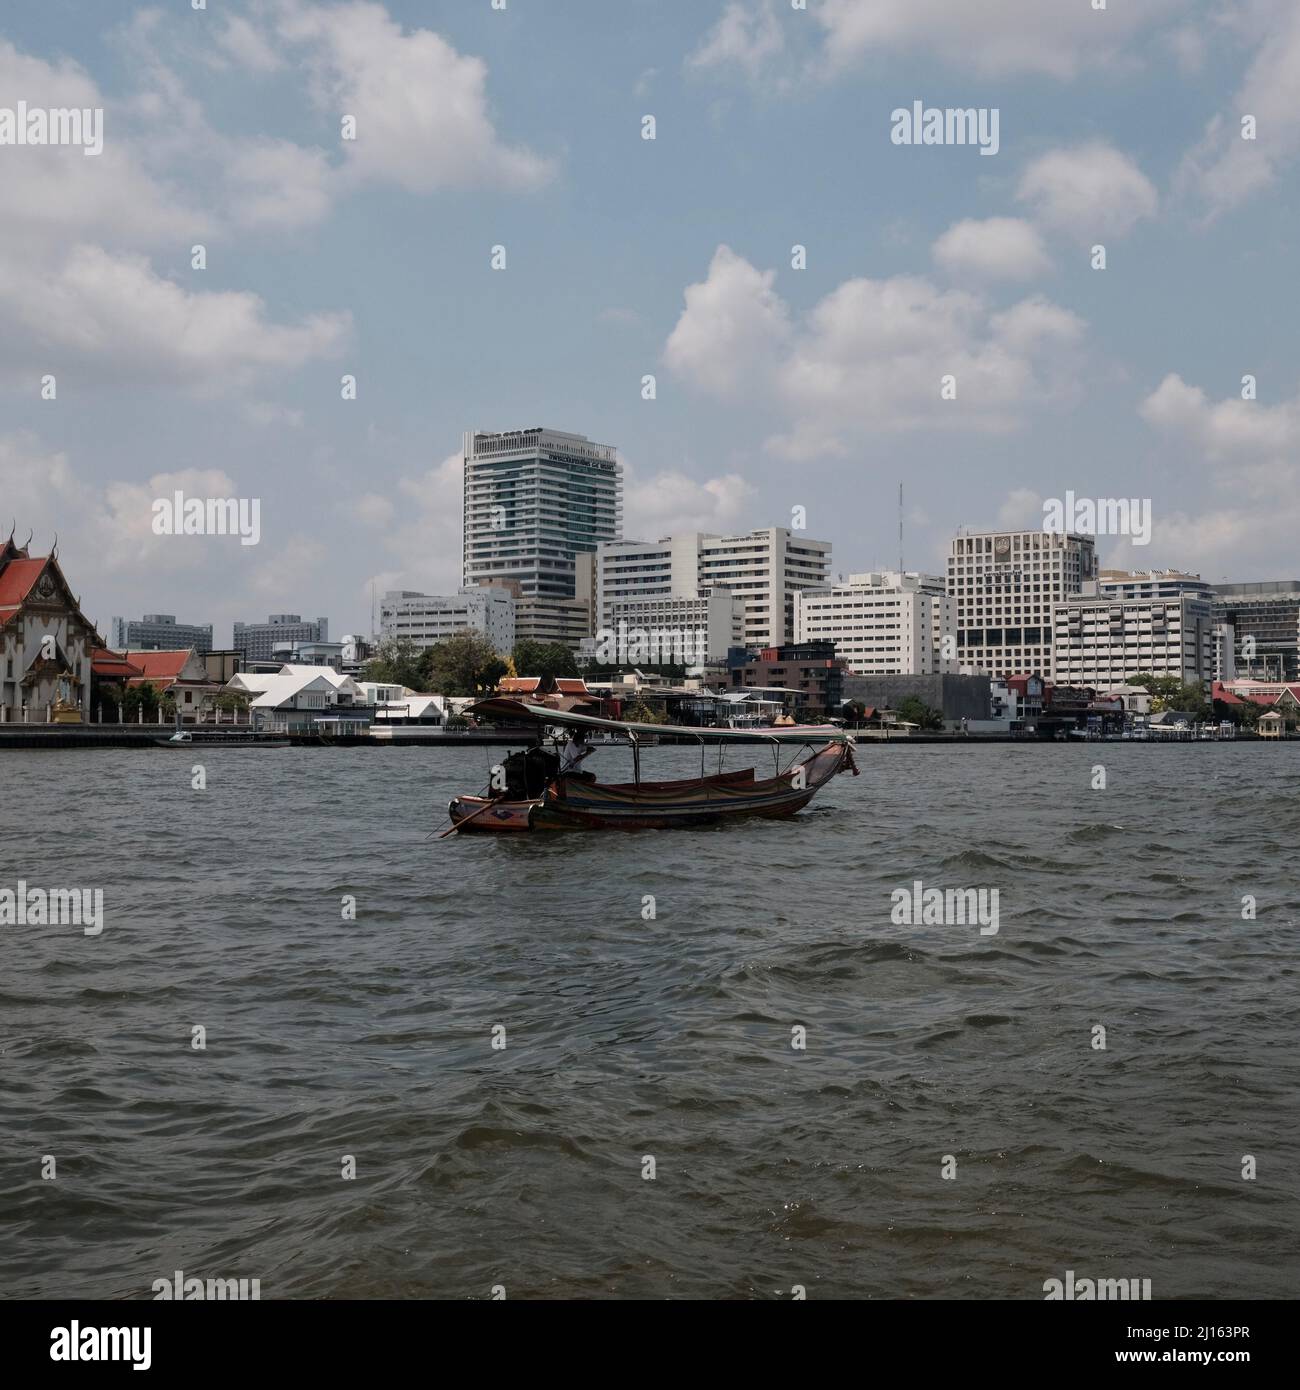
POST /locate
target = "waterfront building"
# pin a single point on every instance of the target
(535, 501)
(808, 672)
(160, 632)
(1151, 584)
(258, 641)
(628, 571)
(1265, 619)
(1006, 585)
(305, 698)
(677, 630)
(46, 643)
(884, 623)
(182, 674)
(1101, 641)
(425, 619)
(956, 697)
(765, 568)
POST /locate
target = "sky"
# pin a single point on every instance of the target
(521, 126)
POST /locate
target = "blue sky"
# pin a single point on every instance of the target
(776, 387)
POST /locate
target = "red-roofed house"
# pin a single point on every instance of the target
(182, 674)
(46, 643)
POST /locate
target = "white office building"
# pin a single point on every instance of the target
(1151, 584)
(1101, 641)
(427, 618)
(1006, 585)
(765, 569)
(670, 630)
(884, 623)
(627, 571)
(536, 502)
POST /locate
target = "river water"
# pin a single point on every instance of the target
(930, 1049)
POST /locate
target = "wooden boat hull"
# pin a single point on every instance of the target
(571, 804)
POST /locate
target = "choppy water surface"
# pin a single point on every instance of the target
(668, 1037)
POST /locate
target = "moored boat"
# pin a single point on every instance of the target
(537, 796)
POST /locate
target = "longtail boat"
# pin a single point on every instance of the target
(530, 793)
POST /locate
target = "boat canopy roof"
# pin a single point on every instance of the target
(524, 712)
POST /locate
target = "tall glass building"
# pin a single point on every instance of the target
(536, 499)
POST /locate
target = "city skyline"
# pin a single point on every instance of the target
(775, 387)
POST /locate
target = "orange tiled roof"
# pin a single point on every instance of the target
(108, 665)
(159, 665)
(16, 580)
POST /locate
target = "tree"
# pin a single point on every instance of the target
(464, 664)
(1170, 693)
(397, 661)
(545, 659)
(140, 697)
(913, 710)
(639, 712)
(108, 699)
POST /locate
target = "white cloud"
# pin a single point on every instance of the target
(277, 184)
(248, 45)
(1224, 169)
(1088, 191)
(670, 501)
(1021, 509)
(122, 527)
(114, 312)
(992, 37)
(373, 509)
(746, 36)
(997, 248)
(425, 544)
(292, 566)
(1233, 430)
(420, 106)
(733, 326)
(870, 356)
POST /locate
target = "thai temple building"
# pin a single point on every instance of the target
(46, 643)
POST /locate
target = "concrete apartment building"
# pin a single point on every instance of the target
(258, 641)
(536, 500)
(765, 569)
(883, 623)
(1006, 585)
(1151, 584)
(160, 632)
(425, 619)
(654, 590)
(1265, 620)
(1101, 641)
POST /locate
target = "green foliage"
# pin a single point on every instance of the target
(140, 697)
(397, 661)
(639, 712)
(545, 659)
(463, 664)
(1169, 693)
(913, 710)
